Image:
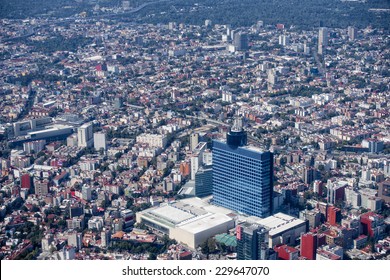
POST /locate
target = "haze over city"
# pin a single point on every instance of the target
(194, 130)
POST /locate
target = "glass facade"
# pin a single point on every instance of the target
(252, 242)
(204, 181)
(242, 179)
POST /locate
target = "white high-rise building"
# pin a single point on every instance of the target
(283, 40)
(197, 158)
(86, 192)
(85, 135)
(194, 140)
(34, 146)
(74, 239)
(323, 36)
(99, 141)
(196, 161)
(352, 33)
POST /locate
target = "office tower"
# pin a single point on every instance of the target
(99, 141)
(85, 135)
(204, 181)
(194, 140)
(352, 33)
(252, 242)
(309, 245)
(241, 41)
(242, 175)
(283, 40)
(86, 193)
(272, 78)
(323, 36)
(197, 158)
(306, 48)
(308, 175)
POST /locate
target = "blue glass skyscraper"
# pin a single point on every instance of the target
(242, 175)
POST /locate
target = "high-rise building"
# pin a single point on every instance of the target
(74, 239)
(309, 245)
(86, 192)
(322, 39)
(99, 141)
(204, 181)
(352, 33)
(252, 242)
(323, 36)
(41, 187)
(384, 191)
(283, 40)
(272, 78)
(241, 41)
(105, 237)
(308, 175)
(85, 135)
(34, 146)
(334, 215)
(197, 158)
(194, 140)
(259, 25)
(242, 175)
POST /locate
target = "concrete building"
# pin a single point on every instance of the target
(194, 140)
(323, 36)
(240, 41)
(204, 181)
(242, 175)
(352, 33)
(85, 135)
(74, 239)
(384, 191)
(99, 141)
(286, 252)
(154, 140)
(330, 252)
(41, 187)
(197, 158)
(312, 216)
(309, 245)
(86, 192)
(252, 242)
(190, 221)
(34, 146)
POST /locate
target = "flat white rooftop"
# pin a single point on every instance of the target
(171, 214)
(205, 223)
(280, 222)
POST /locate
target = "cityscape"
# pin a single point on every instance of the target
(132, 134)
